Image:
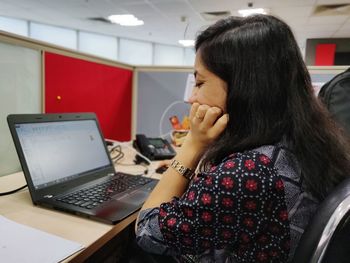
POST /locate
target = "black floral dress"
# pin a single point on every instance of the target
(249, 208)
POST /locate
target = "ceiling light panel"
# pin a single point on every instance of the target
(125, 20)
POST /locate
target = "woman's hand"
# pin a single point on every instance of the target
(207, 123)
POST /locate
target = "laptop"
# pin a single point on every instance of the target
(67, 167)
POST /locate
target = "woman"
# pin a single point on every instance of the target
(267, 152)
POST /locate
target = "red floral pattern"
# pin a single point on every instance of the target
(185, 227)
(249, 164)
(227, 219)
(209, 180)
(229, 164)
(227, 206)
(171, 222)
(251, 185)
(227, 202)
(250, 205)
(264, 159)
(191, 195)
(283, 215)
(188, 212)
(212, 169)
(248, 222)
(207, 216)
(279, 185)
(227, 182)
(206, 199)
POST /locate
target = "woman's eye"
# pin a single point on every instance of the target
(199, 84)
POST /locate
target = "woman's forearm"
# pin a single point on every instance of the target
(173, 183)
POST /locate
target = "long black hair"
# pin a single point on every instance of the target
(270, 98)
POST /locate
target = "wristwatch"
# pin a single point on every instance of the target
(184, 171)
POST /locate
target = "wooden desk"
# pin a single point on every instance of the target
(93, 235)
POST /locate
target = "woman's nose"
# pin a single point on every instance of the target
(193, 97)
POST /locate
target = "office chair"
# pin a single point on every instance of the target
(327, 237)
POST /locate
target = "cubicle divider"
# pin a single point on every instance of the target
(40, 77)
(322, 74)
(160, 95)
(20, 91)
(76, 85)
(325, 73)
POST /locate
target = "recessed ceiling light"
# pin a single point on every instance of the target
(187, 42)
(125, 20)
(251, 11)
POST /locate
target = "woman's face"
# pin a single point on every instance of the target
(209, 88)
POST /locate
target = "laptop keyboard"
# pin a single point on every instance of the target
(93, 196)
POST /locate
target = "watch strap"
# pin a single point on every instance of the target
(184, 171)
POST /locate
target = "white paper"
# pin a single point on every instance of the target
(20, 243)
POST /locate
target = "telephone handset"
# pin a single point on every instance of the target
(154, 148)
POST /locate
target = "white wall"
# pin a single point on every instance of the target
(56, 35)
(168, 55)
(135, 52)
(115, 48)
(16, 26)
(189, 56)
(99, 45)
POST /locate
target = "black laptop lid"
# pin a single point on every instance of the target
(57, 149)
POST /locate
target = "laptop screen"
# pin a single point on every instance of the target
(59, 151)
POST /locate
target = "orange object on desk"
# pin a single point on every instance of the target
(175, 123)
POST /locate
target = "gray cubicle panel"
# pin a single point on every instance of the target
(20, 92)
(163, 90)
(324, 73)
(321, 77)
(160, 94)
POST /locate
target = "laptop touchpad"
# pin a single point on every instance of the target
(137, 197)
(123, 205)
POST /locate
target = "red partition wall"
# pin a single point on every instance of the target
(76, 85)
(324, 55)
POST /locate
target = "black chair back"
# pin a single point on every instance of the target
(327, 237)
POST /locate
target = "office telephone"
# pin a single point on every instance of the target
(154, 148)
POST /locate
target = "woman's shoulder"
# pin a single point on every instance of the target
(249, 172)
(250, 159)
(264, 155)
(247, 164)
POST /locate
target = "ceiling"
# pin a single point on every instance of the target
(166, 20)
